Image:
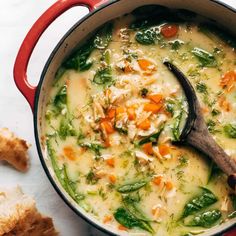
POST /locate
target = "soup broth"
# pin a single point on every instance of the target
(114, 110)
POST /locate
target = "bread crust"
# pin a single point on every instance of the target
(14, 150)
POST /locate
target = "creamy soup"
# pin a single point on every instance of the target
(114, 110)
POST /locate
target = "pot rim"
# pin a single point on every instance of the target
(35, 119)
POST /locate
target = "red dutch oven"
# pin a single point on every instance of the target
(101, 11)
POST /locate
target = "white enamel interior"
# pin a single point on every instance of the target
(211, 9)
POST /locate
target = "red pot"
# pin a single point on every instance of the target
(100, 12)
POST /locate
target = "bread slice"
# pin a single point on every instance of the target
(20, 217)
(14, 150)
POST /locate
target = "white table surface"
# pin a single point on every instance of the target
(16, 18)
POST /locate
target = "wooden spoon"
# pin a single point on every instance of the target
(196, 134)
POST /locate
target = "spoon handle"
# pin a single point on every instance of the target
(201, 139)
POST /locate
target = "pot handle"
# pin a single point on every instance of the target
(31, 39)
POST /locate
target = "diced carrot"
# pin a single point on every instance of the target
(110, 162)
(146, 65)
(107, 219)
(112, 178)
(107, 126)
(127, 68)
(164, 149)
(204, 109)
(228, 80)
(169, 185)
(157, 180)
(122, 227)
(111, 113)
(145, 125)
(147, 148)
(169, 30)
(120, 110)
(107, 141)
(69, 153)
(155, 97)
(131, 113)
(152, 107)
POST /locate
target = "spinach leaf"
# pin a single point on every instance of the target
(206, 219)
(60, 100)
(66, 128)
(230, 130)
(205, 58)
(176, 126)
(126, 188)
(129, 221)
(103, 76)
(176, 44)
(151, 138)
(131, 205)
(79, 60)
(205, 199)
(62, 175)
(103, 37)
(147, 36)
(201, 87)
(70, 186)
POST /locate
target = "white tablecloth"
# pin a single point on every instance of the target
(16, 18)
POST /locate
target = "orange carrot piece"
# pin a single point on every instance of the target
(146, 65)
(112, 178)
(131, 113)
(122, 227)
(147, 148)
(69, 153)
(164, 149)
(110, 162)
(228, 80)
(224, 104)
(155, 97)
(107, 219)
(111, 113)
(120, 110)
(145, 125)
(127, 68)
(107, 126)
(157, 180)
(169, 185)
(169, 31)
(152, 107)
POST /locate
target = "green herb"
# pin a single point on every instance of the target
(176, 126)
(201, 87)
(151, 138)
(66, 128)
(176, 44)
(103, 37)
(129, 221)
(91, 178)
(170, 106)
(183, 162)
(215, 112)
(205, 199)
(126, 188)
(121, 130)
(95, 147)
(211, 126)
(206, 219)
(205, 58)
(147, 36)
(60, 100)
(103, 76)
(230, 130)
(144, 92)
